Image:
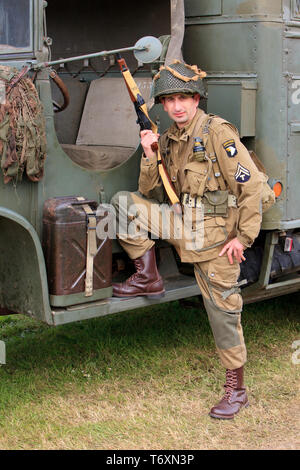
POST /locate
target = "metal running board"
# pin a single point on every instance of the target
(176, 288)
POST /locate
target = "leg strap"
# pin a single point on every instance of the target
(224, 293)
(233, 290)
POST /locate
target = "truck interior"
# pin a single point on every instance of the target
(91, 130)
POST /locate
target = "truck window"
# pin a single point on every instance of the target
(15, 25)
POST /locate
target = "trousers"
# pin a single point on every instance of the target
(140, 221)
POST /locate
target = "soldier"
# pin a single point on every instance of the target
(214, 176)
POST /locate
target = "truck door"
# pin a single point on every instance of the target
(292, 66)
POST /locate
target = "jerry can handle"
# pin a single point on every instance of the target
(81, 203)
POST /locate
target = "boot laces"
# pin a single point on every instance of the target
(138, 267)
(230, 385)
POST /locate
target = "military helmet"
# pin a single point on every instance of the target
(178, 78)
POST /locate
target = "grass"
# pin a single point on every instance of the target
(146, 379)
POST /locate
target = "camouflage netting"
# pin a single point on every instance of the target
(22, 128)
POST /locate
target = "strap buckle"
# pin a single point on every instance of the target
(193, 202)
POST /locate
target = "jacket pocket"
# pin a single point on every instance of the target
(208, 233)
(196, 174)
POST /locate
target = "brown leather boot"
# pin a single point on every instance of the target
(145, 281)
(235, 396)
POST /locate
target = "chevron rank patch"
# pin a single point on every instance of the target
(230, 148)
(242, 175)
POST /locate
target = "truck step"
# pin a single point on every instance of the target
(176, 288)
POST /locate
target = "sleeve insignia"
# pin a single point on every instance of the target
(230, 148)
(242, 175)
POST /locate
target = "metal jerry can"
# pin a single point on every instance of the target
(79, 264)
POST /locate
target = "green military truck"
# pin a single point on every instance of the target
(251, 53)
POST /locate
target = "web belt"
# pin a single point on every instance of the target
(188, 200)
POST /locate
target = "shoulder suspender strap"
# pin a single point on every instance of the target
(214, 160)
(197, 128)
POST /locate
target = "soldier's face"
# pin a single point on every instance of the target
(181, 108)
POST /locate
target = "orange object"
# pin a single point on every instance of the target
(277, 188)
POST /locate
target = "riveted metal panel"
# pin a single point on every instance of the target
(292, 50)
(254, 7)
(222, 52)
(258, 52)
(293, 155)
(234, 101)
(248, 110)
(271, 116)
(221, 96)
(203, 8)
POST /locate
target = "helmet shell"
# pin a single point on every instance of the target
(168, 83)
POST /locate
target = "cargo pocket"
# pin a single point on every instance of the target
(207, 233)
(215, 232)
(196, 174)
(222, 277)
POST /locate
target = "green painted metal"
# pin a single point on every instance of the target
(203, 8)
(221, 95)
(176, 288)
(75, 299)
(23, 277)
(256, 39)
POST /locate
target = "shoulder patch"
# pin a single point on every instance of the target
(242, 175)
(230, 148)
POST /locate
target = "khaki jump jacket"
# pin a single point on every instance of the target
(189, 175)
